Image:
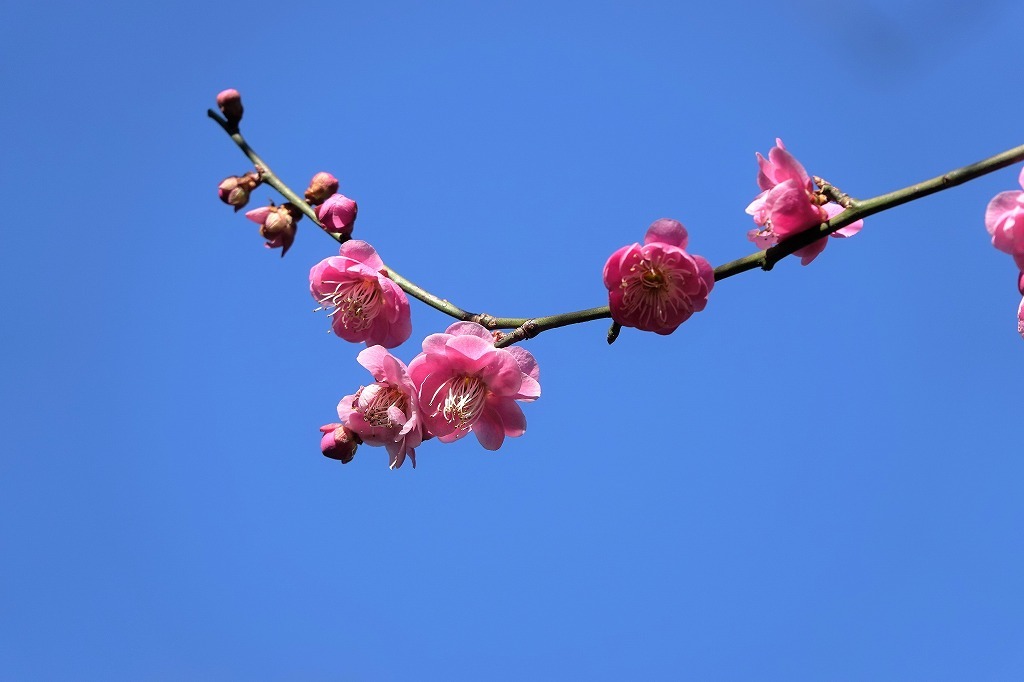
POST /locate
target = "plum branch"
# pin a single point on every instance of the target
(526, 327)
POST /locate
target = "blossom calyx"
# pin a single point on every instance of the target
(230, 104)
(338, 214)
(277, 224)
(320, 187)
(235, 190)
(338, 442)
(657, 286)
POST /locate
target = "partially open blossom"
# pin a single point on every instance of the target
(363, 303)
(338, 214)
(1020, 318)
(277, 224)
(338, 442)
(466, 384)
(320, 187)
(789, 204)
(1004, 220)
(230, 104)
(235, 190)
(386, 412)
(658, 286)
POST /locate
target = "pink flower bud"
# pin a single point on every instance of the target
(339, 442)
(230, 104)
(235, 190)
(1020, 284)
(338, 214)
(277, 224)
(320, 187)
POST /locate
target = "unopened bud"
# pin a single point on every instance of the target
(1020, 284)
(339, 442)
(320, 187)
(277, 224)
(230, 104)
(338, 214)
(235, 190)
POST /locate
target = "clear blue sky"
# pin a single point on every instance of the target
(821, 476)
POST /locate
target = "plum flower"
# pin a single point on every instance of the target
(788, 204)
(658, 286)
(338, 214)
(363, 303)
(1004, 220)
(386, 412)
(466, 384)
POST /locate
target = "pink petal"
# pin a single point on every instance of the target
(832, 210)
(373, 359)
(811, 251)
(489, 429)
(512, 418)
(1001, 205)
(259, 215)
(524, 358)
(615, 265)
(360, 251)
(470, 329)
(667, 231)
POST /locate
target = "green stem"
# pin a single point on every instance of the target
(527, 328)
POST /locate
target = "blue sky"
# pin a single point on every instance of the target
(818, 477)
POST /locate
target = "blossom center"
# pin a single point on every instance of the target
(464, 399)
(377, 412)
(355, 302)
(653, 290)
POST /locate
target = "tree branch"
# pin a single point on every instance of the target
(526, 328)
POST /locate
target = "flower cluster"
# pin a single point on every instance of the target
(788, 204)
(1004, 220)
(658, 286)
(460, 383)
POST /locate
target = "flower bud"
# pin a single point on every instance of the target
(339, 442)
(320, 187)
(277, 224)
(338, 214)
(235, 190)
(230, 104)
(1020, 284)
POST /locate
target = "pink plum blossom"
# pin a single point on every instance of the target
(386, 412)
(466, 384)
(658, 286)
(338, 214)
(1004, 220)
(338, 442)
(363, 303)
(788, 204)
